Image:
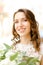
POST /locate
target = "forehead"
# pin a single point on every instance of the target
(20, 15)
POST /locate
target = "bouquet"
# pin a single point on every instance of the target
(7, 57)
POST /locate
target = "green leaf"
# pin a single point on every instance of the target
(7, 46)
(2, 57)
(29, 59)
(22, 63)
(4, 51)
(25, 58)
(32, 61)
(14, 56)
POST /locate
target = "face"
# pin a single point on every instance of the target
(22, 25)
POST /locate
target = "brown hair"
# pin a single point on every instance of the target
(35, 37)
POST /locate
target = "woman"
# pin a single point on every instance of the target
(26, 34)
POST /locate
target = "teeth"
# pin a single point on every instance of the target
(21, 30)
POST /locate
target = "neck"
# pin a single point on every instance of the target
(25, 40)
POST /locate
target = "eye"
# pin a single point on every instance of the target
(25, 20)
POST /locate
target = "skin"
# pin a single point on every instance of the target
(22, 26)
(41, 61)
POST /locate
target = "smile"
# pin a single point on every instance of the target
(22, 30)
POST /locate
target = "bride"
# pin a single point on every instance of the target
(26, 35)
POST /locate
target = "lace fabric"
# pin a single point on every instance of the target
(29, 49)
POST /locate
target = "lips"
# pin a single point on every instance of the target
(22, 30)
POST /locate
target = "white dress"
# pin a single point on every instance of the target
(30, 50)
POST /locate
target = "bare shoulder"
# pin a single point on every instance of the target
(41, 48)
(41, 63)
(41, 52)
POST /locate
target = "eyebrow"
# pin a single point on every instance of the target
(21, 18)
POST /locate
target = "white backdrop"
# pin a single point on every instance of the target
(35, 5)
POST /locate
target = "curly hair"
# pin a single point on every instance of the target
(34, 33)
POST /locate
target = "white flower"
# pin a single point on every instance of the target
(7, 62)
(9, 53)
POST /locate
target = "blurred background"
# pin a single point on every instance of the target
(7, 9)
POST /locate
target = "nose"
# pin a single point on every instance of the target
(20, 24)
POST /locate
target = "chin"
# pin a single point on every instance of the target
(22, 34)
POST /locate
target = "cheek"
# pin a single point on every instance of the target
(28, 27)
